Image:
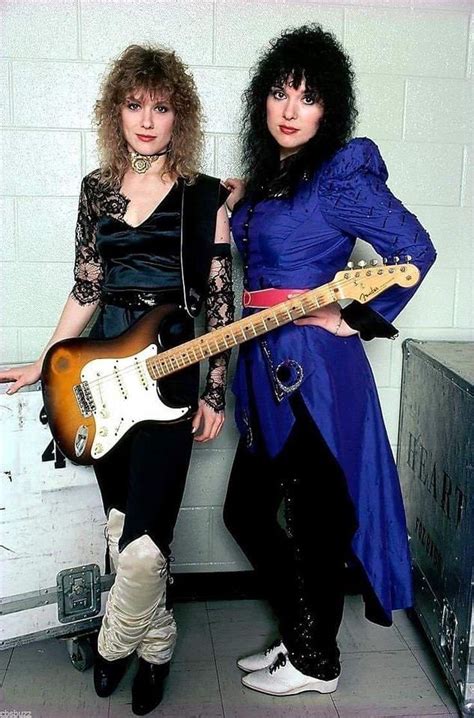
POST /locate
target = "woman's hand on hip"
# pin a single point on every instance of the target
(20, 376)
(237, 191)
(328, 318)
(207, 422)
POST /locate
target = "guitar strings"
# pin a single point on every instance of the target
(141, 366)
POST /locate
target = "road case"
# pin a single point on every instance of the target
(436, 466)
(52, 546)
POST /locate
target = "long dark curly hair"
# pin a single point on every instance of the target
(314, 56)
(150, 70)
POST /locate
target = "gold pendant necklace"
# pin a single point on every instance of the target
(142, 163)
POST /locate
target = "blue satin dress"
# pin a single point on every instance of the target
(300, 243)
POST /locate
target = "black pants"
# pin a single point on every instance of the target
(144, 478)
(302, 565)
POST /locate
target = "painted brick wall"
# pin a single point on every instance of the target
(413, 61)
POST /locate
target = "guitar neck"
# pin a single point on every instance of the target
(360, 284)
(232, 335)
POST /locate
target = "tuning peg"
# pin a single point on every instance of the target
(374, 262)
(385, 260)
(362, 264)
(396, 260)
(408, 259)
(350, 265)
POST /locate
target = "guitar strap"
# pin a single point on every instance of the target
(199, 206)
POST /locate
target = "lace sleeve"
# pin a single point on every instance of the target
(219, 313)
(88, 272)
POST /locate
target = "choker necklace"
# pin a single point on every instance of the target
(142, 163)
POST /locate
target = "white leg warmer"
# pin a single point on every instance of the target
(114, 531)
(158, 644)
(137, 599)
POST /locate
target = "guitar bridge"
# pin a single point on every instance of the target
(84, 399)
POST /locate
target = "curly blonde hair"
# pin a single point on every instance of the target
(154, 71)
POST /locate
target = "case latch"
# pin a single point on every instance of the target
(78, 593)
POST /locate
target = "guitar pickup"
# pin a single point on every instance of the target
(84, 399)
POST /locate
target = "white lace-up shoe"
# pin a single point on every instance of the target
(283, 679)
(257, 661)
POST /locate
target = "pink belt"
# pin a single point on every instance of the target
(262, 298)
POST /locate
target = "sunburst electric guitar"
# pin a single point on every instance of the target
(96, 390)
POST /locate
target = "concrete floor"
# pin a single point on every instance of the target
(385, 672)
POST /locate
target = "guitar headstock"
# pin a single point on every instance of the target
(367, 280)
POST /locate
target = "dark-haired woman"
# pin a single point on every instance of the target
(312, 433)
(151, 230)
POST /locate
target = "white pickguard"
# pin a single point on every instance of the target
(124, 394)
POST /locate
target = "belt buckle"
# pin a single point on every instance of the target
(147, 299)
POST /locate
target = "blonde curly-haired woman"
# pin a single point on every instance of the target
(151, 230)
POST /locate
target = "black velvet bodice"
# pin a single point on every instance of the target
(145, 257)
(117, 264)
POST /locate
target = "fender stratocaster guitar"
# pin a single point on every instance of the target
(96, 390)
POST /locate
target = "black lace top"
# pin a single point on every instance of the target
(114, 257)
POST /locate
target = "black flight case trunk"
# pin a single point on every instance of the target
(436, 462)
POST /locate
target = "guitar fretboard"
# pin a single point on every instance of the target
(241, 331)
(360, 284)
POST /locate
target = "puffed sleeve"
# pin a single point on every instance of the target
(88, 270)
(355, 199)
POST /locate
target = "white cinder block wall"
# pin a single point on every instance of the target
(413, 61)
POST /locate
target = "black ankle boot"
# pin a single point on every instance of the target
(147, 688)
(108, 674)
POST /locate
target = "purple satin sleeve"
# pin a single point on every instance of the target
(355, 199)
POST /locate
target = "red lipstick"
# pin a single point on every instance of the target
(287, 130)
(146, 138)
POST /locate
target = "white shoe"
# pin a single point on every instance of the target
(283, 679)
(257, 661)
